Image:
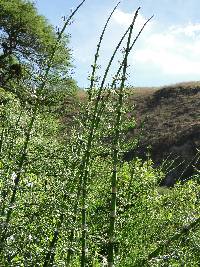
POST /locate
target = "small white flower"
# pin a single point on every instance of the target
(11, 238)
(13, 177)
(30, 184)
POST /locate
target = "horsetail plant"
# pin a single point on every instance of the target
(117, 129)
(116, 154)
(90, 94)
(86, 160)
(99, 106)
(84, 169)
(50, 255)
(116, 77)
(94, 66)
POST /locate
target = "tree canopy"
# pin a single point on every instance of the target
(26, 44)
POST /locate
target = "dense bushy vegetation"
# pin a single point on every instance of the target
(67, 196)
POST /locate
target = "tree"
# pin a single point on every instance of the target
(26, 44)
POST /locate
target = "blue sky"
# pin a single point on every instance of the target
(167, 52)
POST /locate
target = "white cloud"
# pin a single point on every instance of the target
(170, 55)
(124, 19)
(190, 30)
(174, 52)
(85, 49)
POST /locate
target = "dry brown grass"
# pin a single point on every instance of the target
(171, 114)
(137, 91)
(189, 84)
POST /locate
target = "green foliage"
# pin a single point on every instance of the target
(27, 49)
(55, 192)
(147, 216)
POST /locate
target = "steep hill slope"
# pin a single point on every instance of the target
(171, 128)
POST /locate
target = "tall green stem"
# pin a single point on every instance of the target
(1, 141)
(113, 212)
(94, 66)
(86, 159)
